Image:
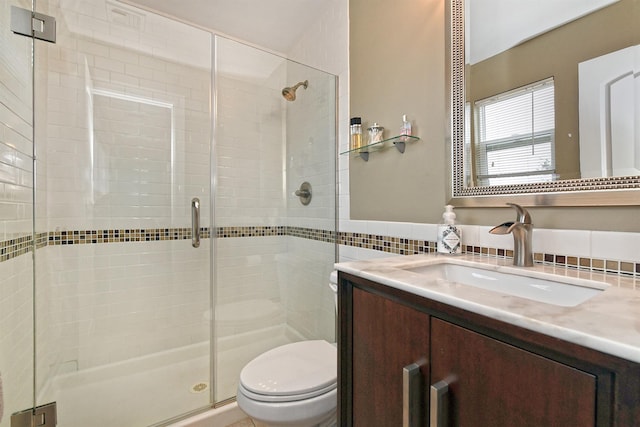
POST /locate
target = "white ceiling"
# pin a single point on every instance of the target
(497, 25)
(494, 26)
(272, 24)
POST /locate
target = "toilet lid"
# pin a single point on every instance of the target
(292, 369)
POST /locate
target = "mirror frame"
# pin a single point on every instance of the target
(614, 191)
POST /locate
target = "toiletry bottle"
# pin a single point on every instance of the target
(405, 130)
(449, 234)
(376, 137)
(355, 130)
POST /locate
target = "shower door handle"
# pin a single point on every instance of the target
(195, 222)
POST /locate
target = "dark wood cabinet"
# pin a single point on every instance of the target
(496, 384)
(498, 375)
(387, 337)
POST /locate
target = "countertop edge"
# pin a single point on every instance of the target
(374, 270)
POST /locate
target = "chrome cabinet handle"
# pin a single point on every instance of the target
(411, 395)
(195, 222)
(438, 402)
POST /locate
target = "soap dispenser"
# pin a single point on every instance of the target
(449, 234)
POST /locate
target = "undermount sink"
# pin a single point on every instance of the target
(549, 291)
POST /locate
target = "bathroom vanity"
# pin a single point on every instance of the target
(419, 347)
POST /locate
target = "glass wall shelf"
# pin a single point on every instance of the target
(399, 141)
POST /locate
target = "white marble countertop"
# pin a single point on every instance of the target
(608, 322)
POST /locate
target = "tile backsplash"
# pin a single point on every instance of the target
(611, 252)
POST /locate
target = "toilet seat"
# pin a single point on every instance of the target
(291, 372)
(284, 398)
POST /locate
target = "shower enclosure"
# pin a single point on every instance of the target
(114, 141)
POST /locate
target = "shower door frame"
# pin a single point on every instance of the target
(36, 388)
(23, 24)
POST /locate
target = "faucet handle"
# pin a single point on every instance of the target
(523, 214)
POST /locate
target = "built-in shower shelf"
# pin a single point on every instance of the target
(399, 141)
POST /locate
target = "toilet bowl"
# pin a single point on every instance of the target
(294, 385)
(291, 385)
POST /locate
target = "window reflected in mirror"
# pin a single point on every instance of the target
(514, 136)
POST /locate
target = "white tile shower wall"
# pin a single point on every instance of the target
(121, 300)
(99, 81)
(48, 330)
(310, 308)
(40, 116)
(106, 167)
(309, 300)
(132, 146)
(249, 153)
(16, 182)
(250, 270)
(16, 218)
(16, 343)
(325, 46)
(311, 148)
(259, 276)
(151, 34)
(310, 157)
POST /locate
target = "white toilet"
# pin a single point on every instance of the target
(294, 385)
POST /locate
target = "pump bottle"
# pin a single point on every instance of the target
(449, 234)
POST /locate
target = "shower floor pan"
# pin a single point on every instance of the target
(151, 389)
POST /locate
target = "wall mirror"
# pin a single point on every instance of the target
(545, 102)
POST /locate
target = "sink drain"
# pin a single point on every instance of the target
(199, 387)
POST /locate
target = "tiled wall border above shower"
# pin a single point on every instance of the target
(21, 245)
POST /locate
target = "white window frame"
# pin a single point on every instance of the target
(544, 140)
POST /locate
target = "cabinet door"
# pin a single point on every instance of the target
(493, 384)
(387, 336)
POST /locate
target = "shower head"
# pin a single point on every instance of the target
(289, 93)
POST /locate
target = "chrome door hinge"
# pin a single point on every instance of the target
(42, 416)
(33, 24)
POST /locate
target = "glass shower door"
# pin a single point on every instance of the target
(16, 218)
(273, 253)
(122, 293)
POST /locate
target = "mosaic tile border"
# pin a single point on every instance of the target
(12, 248)
(80, 237)
(328, 236)
(21, 245)
(251, 231)
(402, 246)
(394, 245)
(583, 263)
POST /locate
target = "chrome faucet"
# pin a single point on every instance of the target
(522, 230)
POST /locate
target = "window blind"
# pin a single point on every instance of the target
(515, 136)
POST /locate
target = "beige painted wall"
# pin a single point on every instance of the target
(397, 65)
